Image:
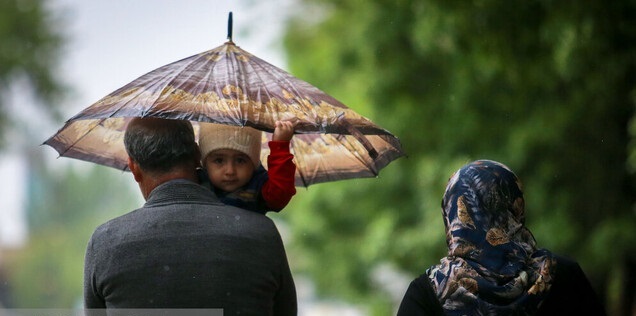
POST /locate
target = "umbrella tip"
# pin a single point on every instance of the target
(229, 27)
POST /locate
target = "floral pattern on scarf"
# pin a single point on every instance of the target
(493, 266)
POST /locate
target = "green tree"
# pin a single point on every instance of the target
(30, 47)
(546, 87)
(65, 205)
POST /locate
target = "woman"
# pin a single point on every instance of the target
(493, 266)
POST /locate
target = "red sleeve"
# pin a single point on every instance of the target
(281, 170)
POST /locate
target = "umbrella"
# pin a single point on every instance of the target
(228, 85)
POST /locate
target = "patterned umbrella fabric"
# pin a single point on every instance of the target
(228, 85)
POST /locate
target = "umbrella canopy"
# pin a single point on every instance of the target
(228, 85)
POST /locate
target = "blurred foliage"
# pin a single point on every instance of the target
(30, 47)
(546, 87)
(65, 206)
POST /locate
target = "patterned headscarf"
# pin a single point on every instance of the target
(493, 266)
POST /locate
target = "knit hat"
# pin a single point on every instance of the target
(220, 136)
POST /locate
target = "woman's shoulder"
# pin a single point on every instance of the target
(420, 299)
(571, 291)
(566, 261)
(567, 268)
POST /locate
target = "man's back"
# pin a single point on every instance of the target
(184, 249)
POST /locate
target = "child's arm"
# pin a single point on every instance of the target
(281, 170)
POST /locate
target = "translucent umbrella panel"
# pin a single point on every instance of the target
(318, 157)
(228, 85)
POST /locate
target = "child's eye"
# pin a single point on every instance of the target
(241, 160)
(217, 160)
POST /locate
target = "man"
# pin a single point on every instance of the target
(183, 248)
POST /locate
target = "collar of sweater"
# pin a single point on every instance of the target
(181, 191)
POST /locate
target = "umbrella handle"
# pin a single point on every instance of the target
(229, 27)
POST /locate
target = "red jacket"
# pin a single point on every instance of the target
(281, 170)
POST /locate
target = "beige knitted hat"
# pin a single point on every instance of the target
(220, 136)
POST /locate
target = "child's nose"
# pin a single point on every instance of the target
(230, 168)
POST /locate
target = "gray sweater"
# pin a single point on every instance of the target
(185, 249)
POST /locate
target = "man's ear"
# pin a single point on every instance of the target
(134, 168)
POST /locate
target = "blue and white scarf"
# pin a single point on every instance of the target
(493, 266)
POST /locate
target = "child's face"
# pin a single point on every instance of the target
(229, 169)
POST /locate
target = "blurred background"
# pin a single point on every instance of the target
(546, 87)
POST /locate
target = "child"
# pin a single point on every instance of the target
(231, 158)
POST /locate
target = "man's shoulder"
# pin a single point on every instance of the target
(216, 215)
(107, 228)
(249, 217)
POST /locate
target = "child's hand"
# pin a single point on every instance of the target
(283, 130)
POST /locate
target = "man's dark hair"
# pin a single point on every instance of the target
(159, 145)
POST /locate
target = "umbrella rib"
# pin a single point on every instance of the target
(286, 81)
(67, 148)
(233, 68)
(281, 78)
(365, 142)
(136, 83)
(191, 63)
